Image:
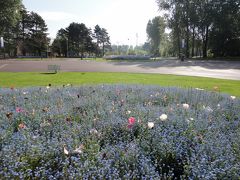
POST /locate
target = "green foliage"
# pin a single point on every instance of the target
(101, 35)
(27, 34)
(60, 43)
(155, 30)
(207, 26)
(78, 37)
(77, 40)
(9, 14)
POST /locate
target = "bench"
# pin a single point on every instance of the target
(54, 68)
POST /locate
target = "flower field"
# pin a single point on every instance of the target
(118, 132)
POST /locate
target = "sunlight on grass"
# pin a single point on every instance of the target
(42, 79)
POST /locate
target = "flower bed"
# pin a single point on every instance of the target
(118, 132)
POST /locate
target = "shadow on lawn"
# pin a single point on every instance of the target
(49, 73)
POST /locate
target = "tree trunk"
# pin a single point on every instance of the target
(205, 43)
(179, 45)
(193, 41)
(103, 49)
(188, 31)
(187, 42)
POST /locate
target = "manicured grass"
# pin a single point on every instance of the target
(43, 79)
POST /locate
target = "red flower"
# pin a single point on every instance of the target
(131, 122)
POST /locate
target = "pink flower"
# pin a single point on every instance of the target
(19, 110)
(131, 122)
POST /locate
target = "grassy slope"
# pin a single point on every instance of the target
(40, 79)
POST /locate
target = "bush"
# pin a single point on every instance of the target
(118, 132)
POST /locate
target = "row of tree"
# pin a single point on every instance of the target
(208, 27)
(78, 40)
(24, 32)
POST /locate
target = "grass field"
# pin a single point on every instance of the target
(43, 79)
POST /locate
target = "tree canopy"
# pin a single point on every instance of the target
(209, 27)
(77, 40)
(155, 31)
(24, 32)
(9, 14)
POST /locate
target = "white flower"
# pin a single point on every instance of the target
(199, 89)
(24, 93)
(128, 112)
(93, 131)
(163, 117)
(208, 109)
(233, 97)
(45, 124)
(65, 151)
(34, 137)
(150, 125)
(185, 106)
(189, 120)
(79, 149)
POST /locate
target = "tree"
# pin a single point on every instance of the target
(225, 32)
(31, 34)
(102, 38)
(9, 14)
(155, 31)
(213, 24)
(60, 43)
(79, 36)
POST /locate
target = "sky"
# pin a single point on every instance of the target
(125, 20)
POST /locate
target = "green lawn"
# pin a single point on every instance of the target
(43, 79)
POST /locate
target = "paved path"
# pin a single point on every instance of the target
(214, 69)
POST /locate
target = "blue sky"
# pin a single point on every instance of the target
(123, 19)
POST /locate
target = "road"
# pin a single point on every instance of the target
(213, 69)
